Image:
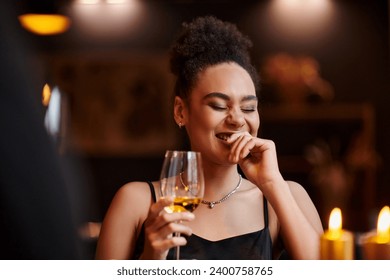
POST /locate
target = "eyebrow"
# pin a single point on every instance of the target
(227, 98)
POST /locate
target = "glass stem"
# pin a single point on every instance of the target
(177, 248)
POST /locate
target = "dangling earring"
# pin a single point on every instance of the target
(180, 125)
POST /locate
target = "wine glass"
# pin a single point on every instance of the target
(182, 180)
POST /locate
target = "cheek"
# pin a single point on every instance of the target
(207, 119)
(199, 124)
(254, 124)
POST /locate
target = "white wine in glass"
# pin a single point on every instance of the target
(182, 180)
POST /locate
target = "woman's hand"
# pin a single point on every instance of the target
(159, 228)
(256, 157)
(258, 160)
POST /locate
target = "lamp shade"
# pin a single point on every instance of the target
(43, 17)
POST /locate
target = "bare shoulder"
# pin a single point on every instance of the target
(297, 190)
(123, 220)
(305, 203)
(134, 190)
(300, 194)
(135, 196)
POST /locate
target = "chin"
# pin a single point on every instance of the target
(222, 158)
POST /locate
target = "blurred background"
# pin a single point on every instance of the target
(106, 93)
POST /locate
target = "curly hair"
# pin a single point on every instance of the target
(204, 42)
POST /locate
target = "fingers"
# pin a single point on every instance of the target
(167, 223)
(244, 144)
(167, 237)
(159, 206)
(160, 226)
(161, 247)
(241, 146)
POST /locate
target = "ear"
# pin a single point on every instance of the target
(179, 111)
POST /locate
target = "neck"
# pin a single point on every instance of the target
(219, 180)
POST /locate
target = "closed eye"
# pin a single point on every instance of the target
(218, 107)
(249, 110)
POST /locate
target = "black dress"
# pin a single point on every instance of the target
(250, 246)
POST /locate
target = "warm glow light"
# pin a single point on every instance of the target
(46, 93)
(312, 4)
(336, 243)
(44, 24)
(116, 1)
(376, 245)
(335, 219)
(53, 113)
(301, 19)
(88, 2)
(93, 2)
(107, 19)
(335, 224)
(383, 226)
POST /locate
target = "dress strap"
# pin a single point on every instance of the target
(151, 187)
(265, 210)
(139, 245)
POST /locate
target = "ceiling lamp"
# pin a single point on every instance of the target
(43, 17)
(42, 24)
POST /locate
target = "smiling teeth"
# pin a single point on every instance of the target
(224, 137)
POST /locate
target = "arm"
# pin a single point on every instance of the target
(300, 224)
(299, 221)
(122, 222)
(131, 206)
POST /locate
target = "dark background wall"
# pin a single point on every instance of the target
(351, 48)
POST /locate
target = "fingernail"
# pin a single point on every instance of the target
(189, 215)
(167, 200)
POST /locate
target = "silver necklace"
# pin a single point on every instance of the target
(211, 204)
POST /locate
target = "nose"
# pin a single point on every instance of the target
(236, 117)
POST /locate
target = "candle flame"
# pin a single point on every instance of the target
(383, 226)
(335, 220)
(46, 93)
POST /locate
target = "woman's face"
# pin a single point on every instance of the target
(223, 102)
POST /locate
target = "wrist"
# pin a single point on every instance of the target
(270, 186)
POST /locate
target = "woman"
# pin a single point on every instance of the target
(239, 218)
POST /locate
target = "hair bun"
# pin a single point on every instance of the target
(211, 39)
(204, 42)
